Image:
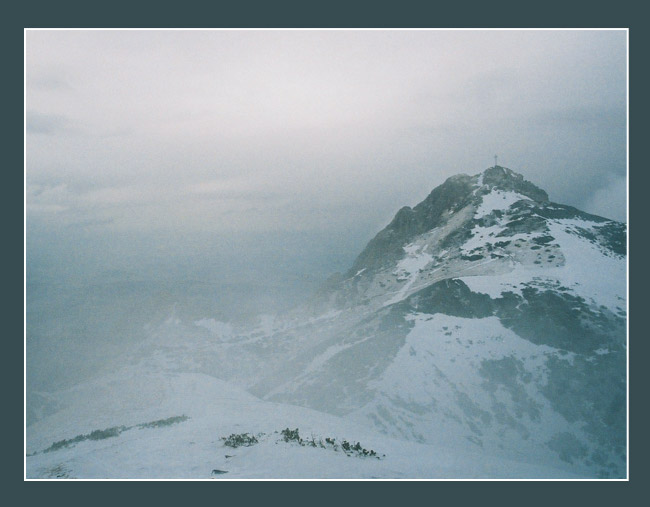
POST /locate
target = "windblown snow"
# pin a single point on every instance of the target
(409, 267)
(492, 345)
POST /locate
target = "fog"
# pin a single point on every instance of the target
(228, 173)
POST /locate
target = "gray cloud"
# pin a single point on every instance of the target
(605, 198)
(324, 132)
(49, 81)
(43, 123)
(609, 117)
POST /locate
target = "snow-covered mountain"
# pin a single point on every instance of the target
(482, 333)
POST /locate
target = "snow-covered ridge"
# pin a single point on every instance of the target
(505, 357)
(597, 277)
(499, 256)
(577, 264)
(195, 449)
(497, 200)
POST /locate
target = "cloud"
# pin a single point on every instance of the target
(49, 82)
(91, 222)
(48, 124)
(328, 131)
(597, 115)
(228, 187)
(606, 200)
(47, 198)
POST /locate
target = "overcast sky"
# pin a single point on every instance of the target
(323, 132)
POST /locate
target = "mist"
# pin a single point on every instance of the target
(174, 176)
(252, 165)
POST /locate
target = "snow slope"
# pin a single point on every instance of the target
(482, 334)
(486, 327)
(193, 448)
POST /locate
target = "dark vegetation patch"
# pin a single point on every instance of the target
(349, 448)
(111, 432)
(293, 436)
(161, 423)
(240, 440)
(107, 433)
(93, 435)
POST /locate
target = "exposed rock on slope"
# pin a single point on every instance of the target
(485, 313)
(486, 321)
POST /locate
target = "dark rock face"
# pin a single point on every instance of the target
(558, 379)
(453, 195)
(505, 179)
(386, 246)
(452, 297)
(589, 389)
(614, 236)
(563, 321)
(543, 317)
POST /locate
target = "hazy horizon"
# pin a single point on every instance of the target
(233, 171)
(141, 141)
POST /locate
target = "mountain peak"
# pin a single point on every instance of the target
(499, 307)
(504, 178)
(446, 200)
